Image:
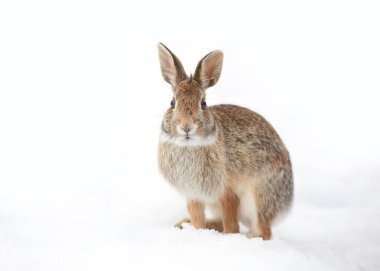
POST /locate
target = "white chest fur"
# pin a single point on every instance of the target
(196, 172)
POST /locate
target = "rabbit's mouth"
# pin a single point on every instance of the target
(194, 141)
(188, 140)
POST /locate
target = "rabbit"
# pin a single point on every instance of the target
(226, 158)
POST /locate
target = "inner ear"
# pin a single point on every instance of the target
(209, 69)
(171, 67)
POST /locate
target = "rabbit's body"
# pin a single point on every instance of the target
(224, 157)
(247, 155)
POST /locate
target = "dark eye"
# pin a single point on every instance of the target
(203, 104)
(172, 103)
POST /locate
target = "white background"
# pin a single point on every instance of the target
(81, 100)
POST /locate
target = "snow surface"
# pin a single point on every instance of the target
(81, 99)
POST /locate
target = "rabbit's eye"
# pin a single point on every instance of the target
(172, 103)
(203, 104)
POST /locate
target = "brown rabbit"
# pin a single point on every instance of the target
(224, 157)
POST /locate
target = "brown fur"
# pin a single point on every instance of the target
(225, 157)
(229, 203)
(196, 210)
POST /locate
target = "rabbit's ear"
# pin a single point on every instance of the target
(209, 69)
(171, 68)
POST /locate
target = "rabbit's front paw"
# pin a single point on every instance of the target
(182, 221)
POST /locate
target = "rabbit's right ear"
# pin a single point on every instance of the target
(171, 68)
(209, 69)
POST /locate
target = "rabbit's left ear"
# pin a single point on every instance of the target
(171, 68)
(209, 69)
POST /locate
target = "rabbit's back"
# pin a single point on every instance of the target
(252, 145)
(256, 161)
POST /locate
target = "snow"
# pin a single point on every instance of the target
(81, 99)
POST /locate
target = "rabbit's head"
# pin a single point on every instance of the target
(188, 122)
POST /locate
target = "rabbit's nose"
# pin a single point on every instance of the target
(186, 128)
